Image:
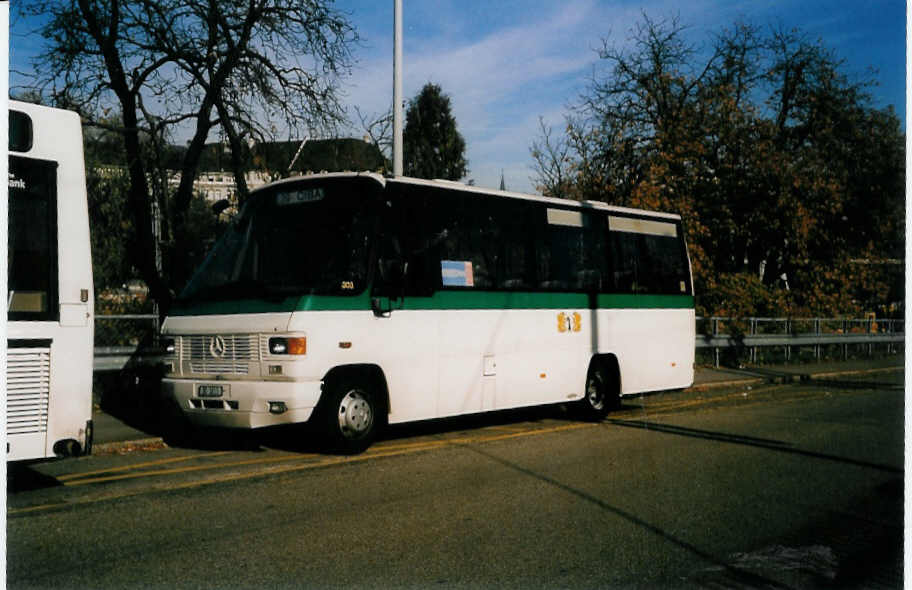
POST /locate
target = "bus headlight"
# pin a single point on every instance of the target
(281, 345)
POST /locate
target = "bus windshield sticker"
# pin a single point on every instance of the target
(307, 195)
(457, 273)
(642, 226)
(565, 217)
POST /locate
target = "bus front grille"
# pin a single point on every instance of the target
(28, 379)
(223, 354)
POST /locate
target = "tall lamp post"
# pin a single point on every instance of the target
(397, 88)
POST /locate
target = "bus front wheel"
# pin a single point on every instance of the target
(350, 415)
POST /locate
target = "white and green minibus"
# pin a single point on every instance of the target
(351, 301)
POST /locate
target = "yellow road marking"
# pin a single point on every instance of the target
(187, 469)
(506, 428)
(133, 466)
(380, 451)
(40, 507)
(674, 405)
(111, 474)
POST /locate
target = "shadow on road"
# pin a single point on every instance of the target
(133, 396)
(20, 477)
(847, 384)
(740, 577)
(772, 445)
(778, 376)
(307, 438)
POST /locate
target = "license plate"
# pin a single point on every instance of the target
(210, 391)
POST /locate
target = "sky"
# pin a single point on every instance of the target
(506, 64)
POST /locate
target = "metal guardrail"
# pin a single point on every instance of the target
(115, 358)
(719, 333)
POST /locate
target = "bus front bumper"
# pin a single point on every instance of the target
(243, 404)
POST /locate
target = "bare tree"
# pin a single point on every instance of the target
(379, 128)
(183, 69)
(553, 166)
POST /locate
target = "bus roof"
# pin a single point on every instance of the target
(458, 186)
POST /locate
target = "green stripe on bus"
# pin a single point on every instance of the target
(442, 300)
(530, 300)
(630, 301)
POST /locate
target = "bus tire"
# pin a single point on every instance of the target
(351, 414)
(602, 393)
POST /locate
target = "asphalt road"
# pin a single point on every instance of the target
(782, 486)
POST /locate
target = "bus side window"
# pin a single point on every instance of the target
(645, 263)
(514, 225)
(453, 228)
(624, 263)
(594, 266)
(404, 236)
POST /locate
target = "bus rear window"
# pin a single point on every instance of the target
(20, 132)
(32, 245)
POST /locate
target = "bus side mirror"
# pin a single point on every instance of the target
(391, 285)
(379, 309)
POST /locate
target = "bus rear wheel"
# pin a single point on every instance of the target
(350, 415)
(602, 393)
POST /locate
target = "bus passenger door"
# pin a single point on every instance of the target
(403, 331)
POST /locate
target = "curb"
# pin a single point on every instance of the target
(857, 372)
(127, 446)
(791, 377)
(154, 443)
(731, 383)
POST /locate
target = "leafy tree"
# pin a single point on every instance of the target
(108, 185)
(170, 68)
(788, 180)
(112, 227)
(432, 145)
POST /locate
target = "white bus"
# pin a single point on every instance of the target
(50, 301)
(353, 300)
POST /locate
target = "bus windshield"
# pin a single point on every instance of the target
(292, 239)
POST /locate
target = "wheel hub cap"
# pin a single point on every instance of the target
(355, 414)
(595, 395)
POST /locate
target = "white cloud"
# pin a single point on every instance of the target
(499, 84)
(501, 80)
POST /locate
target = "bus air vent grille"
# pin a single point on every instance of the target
(231, 355)
(28, 379)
